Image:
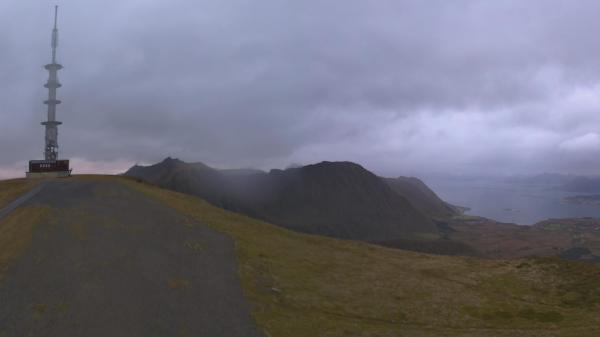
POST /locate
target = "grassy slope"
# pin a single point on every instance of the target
(16, 231)
(17, 228)
(12, 189)
(304, 285)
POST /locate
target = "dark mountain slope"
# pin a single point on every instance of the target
(338, 199)
(422, 197)
(191, 178)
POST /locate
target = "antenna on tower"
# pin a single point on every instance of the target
(55, 34)
(51, 166)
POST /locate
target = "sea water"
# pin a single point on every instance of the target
(511, 202)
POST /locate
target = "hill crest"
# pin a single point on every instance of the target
(339, 199)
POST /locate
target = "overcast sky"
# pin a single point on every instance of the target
(401, 87)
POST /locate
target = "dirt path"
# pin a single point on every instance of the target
(116, 263)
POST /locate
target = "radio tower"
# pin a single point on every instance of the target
(51, 166)
(51, 150)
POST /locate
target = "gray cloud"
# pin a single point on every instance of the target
(411, 87)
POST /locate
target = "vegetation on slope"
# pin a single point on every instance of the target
(16, 231)
(303, 285)
(17, 228)
(12, 189)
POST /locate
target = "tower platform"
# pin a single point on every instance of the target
(49, 169)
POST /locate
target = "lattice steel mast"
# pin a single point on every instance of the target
(51, 150)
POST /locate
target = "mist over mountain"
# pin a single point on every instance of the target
(339, 199)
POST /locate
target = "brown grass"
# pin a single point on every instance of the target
(303, 285)
(12, 189)
(16, 231)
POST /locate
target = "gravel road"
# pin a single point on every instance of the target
(113, 262)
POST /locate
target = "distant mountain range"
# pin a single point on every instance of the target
(338, 199)
(543, 179)
(582, 184)
(565, 182)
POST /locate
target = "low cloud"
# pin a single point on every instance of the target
(403, 87)
(589, 142)
(84, 166)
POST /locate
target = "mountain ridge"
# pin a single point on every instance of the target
(339, 199)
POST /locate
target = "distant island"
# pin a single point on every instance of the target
(593, 199)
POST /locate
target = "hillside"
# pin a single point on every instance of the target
(338, 199)
(422, 197)
(187, 178)
(95, 248)
(294, 198)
